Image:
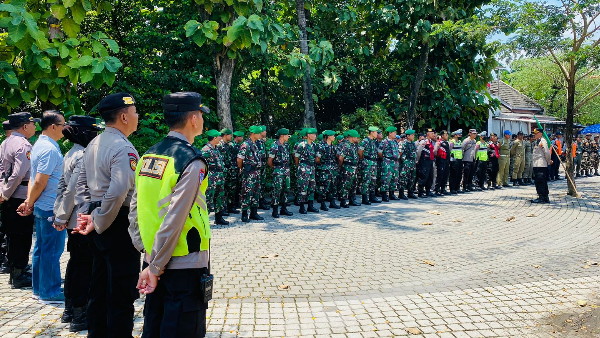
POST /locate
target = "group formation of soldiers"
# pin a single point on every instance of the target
(587, 155)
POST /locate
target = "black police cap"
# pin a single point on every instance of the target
(115, 102)
(20, 118)
(83, 121)
(6, 125)
(183, 102)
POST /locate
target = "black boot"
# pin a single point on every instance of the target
(373, 198)
(385, 197)
(284, 211)
(302, 209)
(311, 207)
(411, 195)
(275, 213)
(67, 315)
(219, 220)
(324, 206)
(232, 210)
(430, 194)
(245, 218)
(421, 193)
(365, 200)
(344, 204)
(79, 322)
(263, 204)
(19, 279)
(333, 205)
(402, 196)
(392, 196)
(254, 214)
(4, 267)
(354, 202)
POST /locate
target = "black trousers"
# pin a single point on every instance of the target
(468, 172)
(482, 170)
(493, 170)
(79, 270)
(175, 308)
(443, 171)
(19, 231)
(425, 174)
(115, 270)
(456, 171)
(541, 181)
(554, 167)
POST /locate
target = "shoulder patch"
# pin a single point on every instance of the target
(133, 160)
(152, 167)
(28, 154)
(202, 174)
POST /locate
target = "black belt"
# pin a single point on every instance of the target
(350, 163)
(307, 162)
(391, 158)
(369, 158)
(25, 183)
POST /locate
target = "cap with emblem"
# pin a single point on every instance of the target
(472, 131)
(255, 129)
(430, 130)
(6, 125)
(538, 130)
(311, 131)
(226, 131)
(238, 134)
(114, 102)
(372, 129)
(84, 121)
(283, 131)
(457, 132)
(519, 133)
(409, 132)
(391, 129)
(507, 132)
(352, 133)
(213, 133)
(483, 134)
(183, 102)
(329, 133)
(17, 119)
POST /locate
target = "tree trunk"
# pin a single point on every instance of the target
(309, 106)
(264, 111)
(416, 85)
(572, 188)
(225, 68)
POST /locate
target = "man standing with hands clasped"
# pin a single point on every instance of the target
(541, 160)
(169, 222)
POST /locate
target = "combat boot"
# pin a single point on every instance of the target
(333, 205)
(411, 195)
(232, 210)
(19, 279)
(254, 214)
(596, 173)
(430, 194)
(354, 203)
(344, 204)
(590, 173)
(324, 206)
(219, 220)
(245, 218)
(79, 322)
(275, 213)
(302, 209)
(385, 197)
(311, 207)
(365, 200)
(393, 196)
(402, 196)
(516, 183)
(263, 204)
(373, 198)
(421, 193)
(67, 315)
(284, 211)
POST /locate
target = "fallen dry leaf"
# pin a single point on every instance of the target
(270, 256)
(537, 266)
(428, 262)
(457, 221)
(469, 233)
(591, 263)
(586, 266)
(532, 215)
(413, 330)
(283, 287)
(511, 218)
(582, 302)
(434, 212)
(427, 223)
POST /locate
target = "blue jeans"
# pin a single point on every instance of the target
(49, 246)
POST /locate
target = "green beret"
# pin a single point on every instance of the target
(263, 128)
(329, 133)
(320, 137)
(302, 132)
(352, 133)
(409, 132)
(283, 131)
(226, 131)
(391, 129)
(371, 129)
(213, 133)
(255, 129)
(238, 134)
(339, 137)
(311, 131)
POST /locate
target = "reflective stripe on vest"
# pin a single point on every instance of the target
(482, 154)
(456, 151)
(155, 180)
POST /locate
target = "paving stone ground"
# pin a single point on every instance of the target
(483, 264)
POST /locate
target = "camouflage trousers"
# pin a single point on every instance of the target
(215, 193)
(306, 182)
(408, 176)
(347, 181)
(326, 181)
(250, 189)
(281, 186)
(368, 175)
(232, 185)
(389, 175)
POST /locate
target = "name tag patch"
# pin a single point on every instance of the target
(153, 167)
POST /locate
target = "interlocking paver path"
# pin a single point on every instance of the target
(474, 265)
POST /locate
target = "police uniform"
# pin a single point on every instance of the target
(456, 166)
(541, 160)
(169, 222)
(15, 165)
(106, 183)
(504, 160)
(482, 158)
(494, 156)
(469, 148)
(517, 150)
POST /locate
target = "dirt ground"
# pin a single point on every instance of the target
(583, 321)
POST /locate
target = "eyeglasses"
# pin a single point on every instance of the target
(59, 124)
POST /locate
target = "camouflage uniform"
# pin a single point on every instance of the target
(215, 193)
(389, 167)
(528, 173)
(349, 151)
(229, 150)
(263, 171)
(326, 171)
(586, 159)
(250, 187)
(305, 176)
(281, 172)
(595, 157)
(368, 166)
(408, 175)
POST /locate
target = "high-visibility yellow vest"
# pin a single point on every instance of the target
(157, 173)
(456, 150)
(482, 154)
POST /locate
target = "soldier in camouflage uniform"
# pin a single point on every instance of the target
(279, 160)
(327, 166)
(408, 175)
(367, 151)
(215, 193)
(378, 182)
(229, 153)
(390, 154)
(586, 160)
(595, 154)
(348, 160)
(235, 183)
(305, 157)
(249, 161)
(262, 149)
(336, 179)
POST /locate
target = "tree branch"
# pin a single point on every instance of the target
(559, 64)
(586, 74)
(588, 98)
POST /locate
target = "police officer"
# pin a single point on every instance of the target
(169, 222)
(442, 161)
(305, 159)
(15, 163)
(250, 162)
(390, 152)
(4, 267)
(425, 159)
(517, 150)
(348, 161)
(279, 160)
(456, 166)
(215, 193)
(367, 151)
(541, 161)
(408, 173)
(482, 158)
(106, 184)
(469, 148)
(327, 166)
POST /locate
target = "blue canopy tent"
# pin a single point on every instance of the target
(593, 129)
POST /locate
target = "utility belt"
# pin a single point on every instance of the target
(391, 158)
(250, 167)
(307, 162)
(369, 158)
